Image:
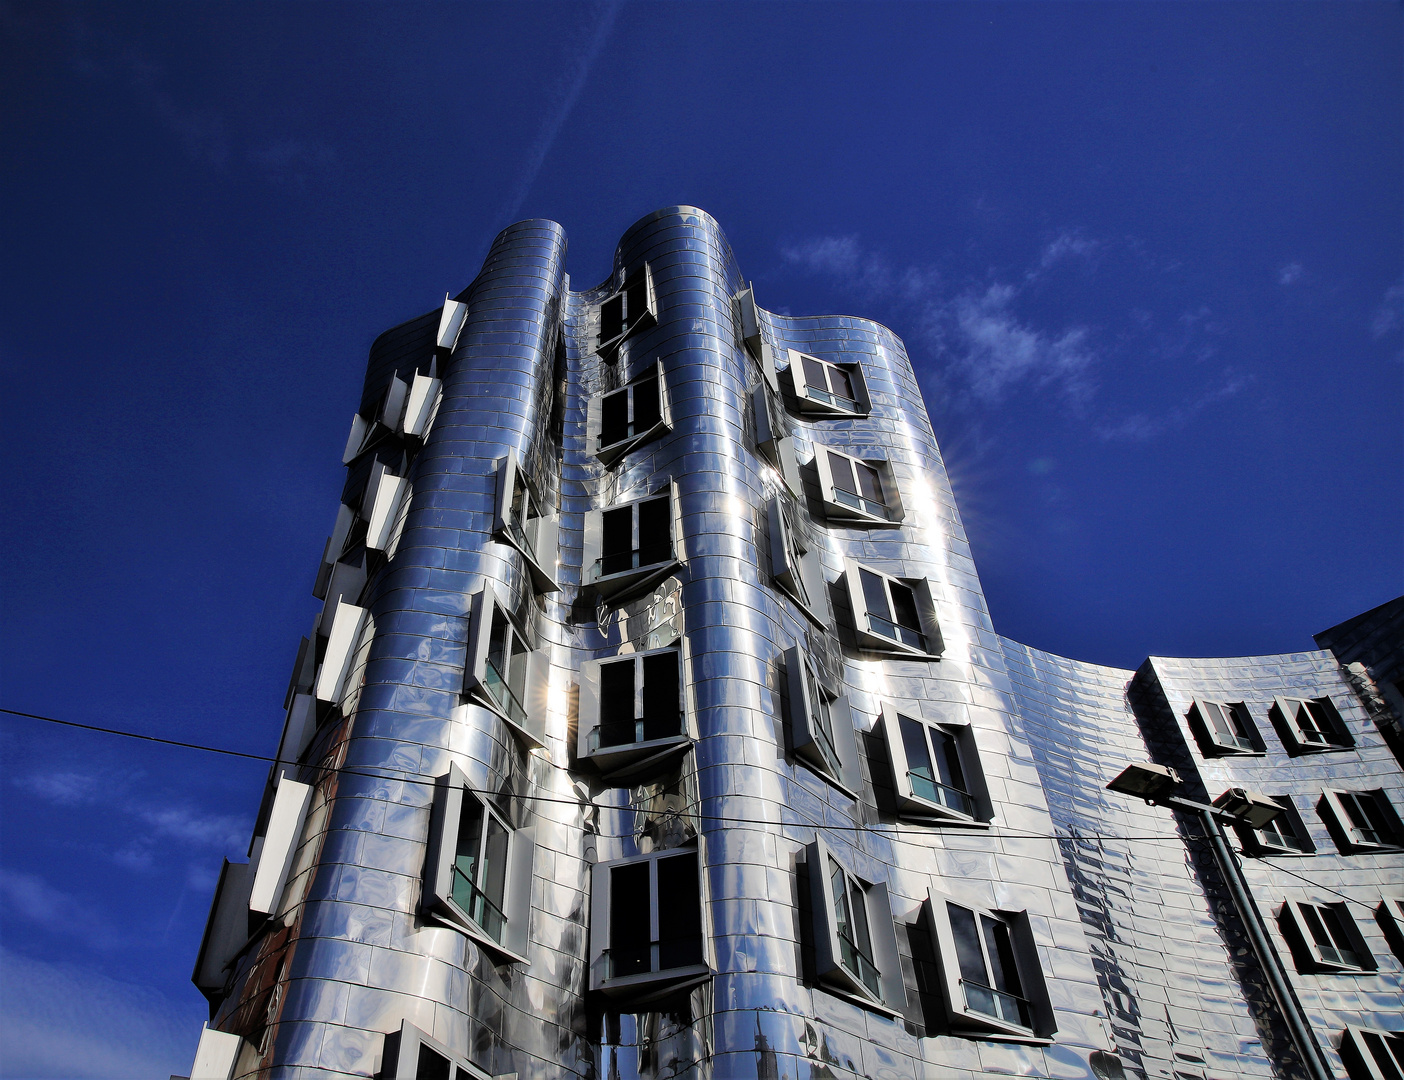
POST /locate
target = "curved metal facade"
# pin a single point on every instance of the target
(1119, 943)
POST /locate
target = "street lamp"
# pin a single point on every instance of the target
(1157, 785)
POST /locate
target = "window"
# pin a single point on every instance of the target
(631, 415)
(518, 520)
(273, 857)
(343, 635)
(773, 444)
(647, 934)
(501, 671)
(421, 405)
(629, 547)
(632, 307)
(1371, 1054)
(826, 389)
(855, 940)
(750, 323)
(989, 972)
(821, 727)
(855, 490)
(633, 712)
(1390, 916)
(1361, 820)
(1309, 726)
(385, 496)
(1222, 728)
(477, 873)
(216, 1055)
(450, 325)
(1283, 835)
(796, 568)
(892, 615)
(935, 770)
(226, 930)
(1324, 937)
(409, 1054)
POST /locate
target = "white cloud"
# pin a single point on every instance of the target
(1290, 273)
(834, 255)
(1390, 314)
(1065, 246)
(62, 1021)
(35, 900)
(63, 788)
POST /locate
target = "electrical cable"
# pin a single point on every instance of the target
(407, 778)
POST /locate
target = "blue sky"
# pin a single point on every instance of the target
(1147, 260)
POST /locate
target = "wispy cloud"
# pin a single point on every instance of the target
(60, 788)
(33, 899)
(61, 1020)
(1290, 274)
(1066, 246)
(566, 96)
(1389, 316)
(1140, 427)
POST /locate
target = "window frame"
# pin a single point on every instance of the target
(528, 720)
(609, 453)
(282, 834)
(1389, 914)
(1296, 918)
(1285, 714)
(226, 929)
(400, 1056)
(624, 583)
(451, 320)
(831, 970)
(796, 570)
(630, 322)
(961, 1018)
(752, 336)
(869, 640)
(647, 986)
(638, 759)
(821, 402)
(1256, 843)
(833, 756)
(777, 449)
(1334, 810)
(451, 790)
(1201, 718)
(1360, 1059)
(536, 544)
(343, 637)
(837, 510)
(911, 804)
(421, 406)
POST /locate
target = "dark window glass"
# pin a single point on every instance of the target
(1329, 933)
(1388, 1052)
(679, 912)
(869, 483)
(617, 722)
(874, 594)
(617, 540)
(842, 471)
(1000, 949)
(431, 1066)
(612, 318)
(967, 943)
(614, 418)
(655, 531)
(636, 293)
(1367, 817)
(814, 374)
(662, 717)
(840, 383)
(647, 406)
(904, 607)
(629, 922)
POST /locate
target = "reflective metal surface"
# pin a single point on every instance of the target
(1124, 917)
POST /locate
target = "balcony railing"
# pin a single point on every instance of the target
(474, 903)
(624, 561)
(1341, 957)
(838, 401)
(519, 534)
(905, 634)
(859, 965)
(1233, 741)
(857, 502)
(987, 1001)
(658, 956)
(932, 790)
(503, 694)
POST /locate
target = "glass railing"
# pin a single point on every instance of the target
(625, 561)
(1234, 742)
(859, 965)
(857, 502)
(905, 634)
(515, 530)
(474, 903)
(1340, 957)
(987, 1001)
(838, 401)
(616, 733)
(631, 430)
(924, 787)
(503, 694)
(1281, 841)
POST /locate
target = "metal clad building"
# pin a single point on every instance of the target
(654, 725)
